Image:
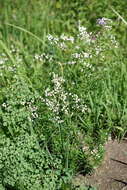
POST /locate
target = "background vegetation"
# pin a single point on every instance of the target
(63, 89)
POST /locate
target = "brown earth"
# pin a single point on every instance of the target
(112, 174)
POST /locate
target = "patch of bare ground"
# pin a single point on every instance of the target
(112, 174)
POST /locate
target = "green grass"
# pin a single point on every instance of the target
(62, 90)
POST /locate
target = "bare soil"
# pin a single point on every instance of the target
(112, 174)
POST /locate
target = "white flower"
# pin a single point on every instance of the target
(83, 34)
(67, 38)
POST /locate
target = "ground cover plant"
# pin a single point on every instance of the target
(62, 95)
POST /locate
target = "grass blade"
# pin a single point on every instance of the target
(124, 21)
(26, 31)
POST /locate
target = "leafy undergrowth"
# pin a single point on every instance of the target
(61, 98)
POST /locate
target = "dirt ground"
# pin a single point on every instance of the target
(112, 174)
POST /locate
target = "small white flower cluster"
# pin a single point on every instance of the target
(4, 105)
(93, 153)
(70, 63)
(94, 45)
(5, 64)
(78, 105)
(88, 66)
(85, 108)
(56, 98)
(84, 35)
(53, 40)
(60, 41)
(12, 68)
(28, 105)
(82, 55)
(3, 60)
(42, 57)
(60, 102)
(62, 45)
(13, 49)
(67, 38)
(98, 50)
(114, 42)
(96, 151)
(63, 39)
(80, 58)
(38, 57)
